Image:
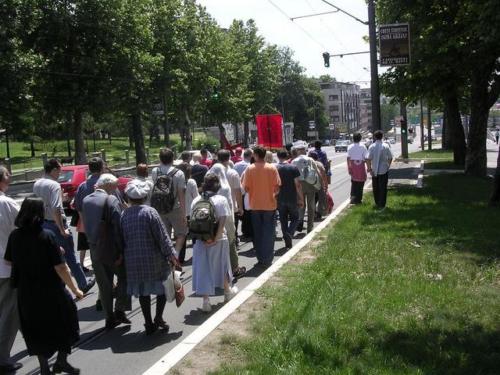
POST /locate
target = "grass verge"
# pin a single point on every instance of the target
(436, 159)
(412, 290)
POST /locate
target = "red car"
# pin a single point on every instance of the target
(73, 175)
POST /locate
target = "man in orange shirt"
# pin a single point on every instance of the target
(262, 182)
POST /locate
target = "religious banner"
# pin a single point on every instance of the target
(270, 130)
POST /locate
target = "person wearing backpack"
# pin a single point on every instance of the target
(311, 182)
(168, 197)
(211, 263)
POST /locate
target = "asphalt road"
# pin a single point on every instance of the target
(126, 350)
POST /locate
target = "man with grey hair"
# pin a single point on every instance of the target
(9, 321)
(101, 217)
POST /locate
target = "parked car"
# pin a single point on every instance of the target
(341, 146)
(326, 142)
(73, 175)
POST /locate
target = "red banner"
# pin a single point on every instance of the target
(269, 130)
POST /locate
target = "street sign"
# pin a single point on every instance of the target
(312, 125)
(331, 126)
(394, 42)
(312, 134)
(287, 132)
(158, 108)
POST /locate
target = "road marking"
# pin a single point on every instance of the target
(175, 355)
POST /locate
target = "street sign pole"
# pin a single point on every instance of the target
(375, 90)
(404, 130)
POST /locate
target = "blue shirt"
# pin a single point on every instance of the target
(85, 188)
(381, 156)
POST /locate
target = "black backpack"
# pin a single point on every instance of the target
(203, 220)
(162, 196)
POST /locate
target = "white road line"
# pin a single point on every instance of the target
(170, 359)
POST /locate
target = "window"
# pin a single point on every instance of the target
(334, 108)
(331, 98)
(335, 118)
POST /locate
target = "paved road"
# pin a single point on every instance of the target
(126, 349)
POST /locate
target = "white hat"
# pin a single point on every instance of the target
(137, 189)
(299, 145)
(106, 179)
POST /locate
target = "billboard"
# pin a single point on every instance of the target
(394, 43)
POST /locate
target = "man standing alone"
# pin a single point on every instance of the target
(9, 321)
(379, 161)
(262, 182)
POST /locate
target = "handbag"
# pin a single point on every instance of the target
(179, 288)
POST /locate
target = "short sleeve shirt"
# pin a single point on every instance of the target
(179, 180)
(260, 181)
(233, 178)
(49, 191)
(8, 213)
(356, 152)
(288, 173)
(221, 207)
(380, 154)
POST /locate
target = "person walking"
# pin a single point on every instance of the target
(49, 190)
(379, 161)
(290, 197)
(246, 219)
(310, 181)
(211, 263)
(168, 197)
(191, 194)
(47, 313)
(497, 135)
(142, 178)
(148, 254)
(237, 155)
(9, 320)
(321, 186)
(356, 165)
(198, 171)
(204, 158)
(234, 182)
(262, 182)
(323, 158)
(101, 214)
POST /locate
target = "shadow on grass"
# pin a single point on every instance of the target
(473, 350)
(455, 214)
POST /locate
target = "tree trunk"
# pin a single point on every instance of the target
(32, 148)
(429, 127)
(422, 141)
(187, 127)
(446, 134)
(495, 196)
(455, 130)
(221, 133)
(80, 156)
(140, 151)
(475, 163)
(246, 133)
(166, 127)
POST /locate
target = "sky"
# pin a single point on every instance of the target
(309, 37)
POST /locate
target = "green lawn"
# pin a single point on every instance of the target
(115, 151)
(433, 154)
(412, 290)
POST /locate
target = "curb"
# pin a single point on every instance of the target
(174, 356)
(420, 180)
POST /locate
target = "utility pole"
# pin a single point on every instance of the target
(429, 127)
(375, 90)
(422, 141)
(404, 130)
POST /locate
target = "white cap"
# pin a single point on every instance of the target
(137, 189)
(106, 179)
(299, 145)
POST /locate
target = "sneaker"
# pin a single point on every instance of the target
(207, 307)
(228, 296)
(90, 285)
(65, 367)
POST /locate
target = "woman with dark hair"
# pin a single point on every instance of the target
(211, 264)
(47, 313)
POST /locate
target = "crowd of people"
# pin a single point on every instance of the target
(137, 237)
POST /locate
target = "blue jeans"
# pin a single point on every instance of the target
(288, 211)
(264, 223)
(69, 253)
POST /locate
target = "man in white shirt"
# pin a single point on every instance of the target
(9, 320)
(379, 161)
(246, 219)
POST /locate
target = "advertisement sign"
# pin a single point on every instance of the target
(229, 131)
(288, 133)
(157, 108)
(394, 43)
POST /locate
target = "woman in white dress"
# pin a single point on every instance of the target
(211, 265)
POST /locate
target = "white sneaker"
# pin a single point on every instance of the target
(207, 307)
(230, 293)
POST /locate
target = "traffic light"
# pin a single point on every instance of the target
(326, 58)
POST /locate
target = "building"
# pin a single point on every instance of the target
(342, 105)
(365, 109)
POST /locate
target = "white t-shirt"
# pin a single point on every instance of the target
(8, 213)
(221, 208)
(191, 193)
(233, 178)
(49, 190)
(356, 151)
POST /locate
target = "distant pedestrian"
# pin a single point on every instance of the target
(237, 155)
(191, 194)
(269, 157)
(497, 135)
(322, 186)
(356, 165)
(148, 255)
(170, 193)
(262, 182)
(49, 190)
(101, 212)
(204, 158)
(290, 197)
(310, 181)
(323, 158)
(9, 319)
(198, 171)
(236, 204)
(142, 178)
(211, 264)
(246, 219)
(48, 316)
(379, 161)
(186, 157)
